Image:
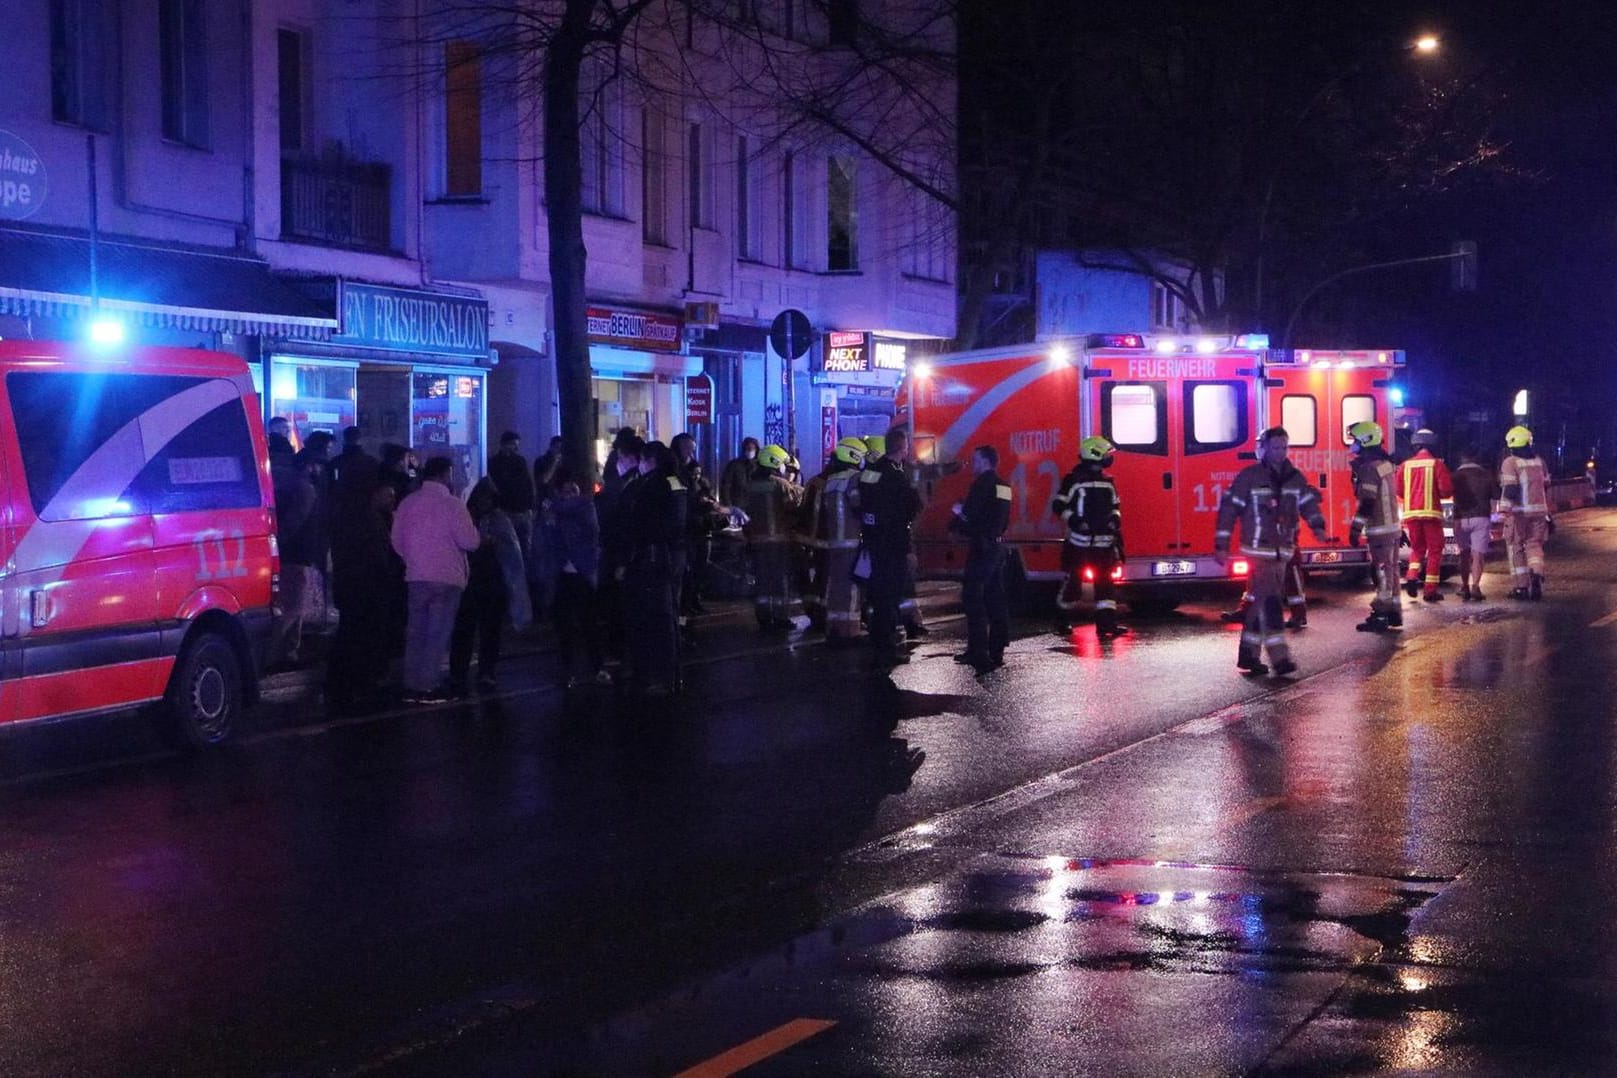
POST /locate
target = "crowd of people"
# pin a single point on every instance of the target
(420, 575)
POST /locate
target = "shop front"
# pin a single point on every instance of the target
(639, 374)
(406, 367)
(854, 378)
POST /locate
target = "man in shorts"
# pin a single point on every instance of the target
(1474, 492)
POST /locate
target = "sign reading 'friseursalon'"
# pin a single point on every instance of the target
(22, 178)
(401, 320)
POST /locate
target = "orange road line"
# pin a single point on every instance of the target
(758, 1049)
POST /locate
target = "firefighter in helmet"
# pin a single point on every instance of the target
(768, 499)
(1423, 483)
(833, 526)
(1376, 521)
(1093, 512)
(1523, 481)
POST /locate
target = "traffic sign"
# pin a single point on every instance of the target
(791, 335)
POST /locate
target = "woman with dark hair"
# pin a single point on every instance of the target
(490, 595)
(656, 514)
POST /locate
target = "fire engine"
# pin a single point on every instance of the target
(1184, 414)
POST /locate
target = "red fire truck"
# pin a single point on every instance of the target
(1184, 414)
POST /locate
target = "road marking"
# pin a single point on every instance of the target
(1601, 623)
(758, 1049)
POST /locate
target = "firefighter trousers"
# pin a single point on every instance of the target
(1425, 550)
(982, 593)
(1098, 562)
(773, 601)
(1524, 542)
(1388, 603)
(1265, 624)
(842, 607)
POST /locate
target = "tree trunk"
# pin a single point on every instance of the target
(564, 214)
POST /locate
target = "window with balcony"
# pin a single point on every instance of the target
(463, 120)
(183, 71)
(81, 59)
(842, 214)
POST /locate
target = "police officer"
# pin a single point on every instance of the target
(1423, 483)
(1527, 518)
(982, 518)
(888, 504)
(1376, 520)
(768, 499)
(832, 526)
(1271, 499)
(1093, 512)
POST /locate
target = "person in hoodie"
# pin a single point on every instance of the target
(569, 538)
(1270, 499)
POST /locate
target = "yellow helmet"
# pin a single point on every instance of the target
(875, 446)
(1095, 448)
(1518, 437)
(850, 451)
(1366, 434)
(773, 457)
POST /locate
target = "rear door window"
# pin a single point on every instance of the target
(1217, 414)
(1299, 414)
(1134, 416)
(1356, 408)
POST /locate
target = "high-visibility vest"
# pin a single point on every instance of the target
(1419, 493)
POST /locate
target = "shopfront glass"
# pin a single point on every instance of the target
(654, 405)
(313, 396)
(446, 419)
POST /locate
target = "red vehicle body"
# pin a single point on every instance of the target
(1184, 415)
(137, 543)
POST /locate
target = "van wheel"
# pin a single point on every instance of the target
(205, 693)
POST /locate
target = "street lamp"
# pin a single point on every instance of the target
(1425, 45)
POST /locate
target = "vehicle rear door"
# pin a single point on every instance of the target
(1214, 424)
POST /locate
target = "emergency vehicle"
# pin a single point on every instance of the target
(1184, 415)
(138, 562)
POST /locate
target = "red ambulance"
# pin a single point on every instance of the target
(1184, 414)
(138, 562)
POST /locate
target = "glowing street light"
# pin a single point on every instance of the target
(1427, 43)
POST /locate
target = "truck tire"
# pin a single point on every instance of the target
(206, 694)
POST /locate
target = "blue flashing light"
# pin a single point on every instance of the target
(1395, 394)
(1252, 340)
(107, 332)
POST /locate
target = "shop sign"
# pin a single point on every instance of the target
(647, 331)
(878, 392)
(698, 399)
(22, 178)
(846, 353)
(889, 355)
(403, 320)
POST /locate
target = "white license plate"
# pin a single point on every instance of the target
(1173, 568)
(1451, 549)
(1325, 557)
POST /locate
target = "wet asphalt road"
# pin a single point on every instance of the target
(1102, 859)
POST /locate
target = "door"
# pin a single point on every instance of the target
(1317, 406)
(1215, 428)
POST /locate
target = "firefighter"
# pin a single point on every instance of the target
(768, 499)
(1376, 521)
(1270, 498)
(888, 504)
(982, 519)
(1522, 479)
(1296, 598)
(1423, 483)
(835, 527)
(1093, 512)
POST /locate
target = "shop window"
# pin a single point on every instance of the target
(1356, 408)
(1134, 416)
(446, 420)
(1299, 414)
(183, 71)
(312, 396)
(1217, 416)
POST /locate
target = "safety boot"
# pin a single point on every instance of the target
(1433, 597)
(1283, 668)
(1535, 590)
(1248, 663)
(1412, 588)
(1375, 623)
(1105, 623)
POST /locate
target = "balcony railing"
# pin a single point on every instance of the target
(333, 199)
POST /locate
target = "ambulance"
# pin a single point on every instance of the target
(1184, 414)
(138, 561)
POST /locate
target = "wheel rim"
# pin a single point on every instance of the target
(210, 700)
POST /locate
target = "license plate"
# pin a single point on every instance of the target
(1325, 557)
(1173, 568)
(1451, 549)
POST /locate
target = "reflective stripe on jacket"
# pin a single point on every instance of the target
(1270, 506)
(1423, 483)
(1373, 481)
(1524, 483)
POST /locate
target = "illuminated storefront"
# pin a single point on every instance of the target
(639, 373)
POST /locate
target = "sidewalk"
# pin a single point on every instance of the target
(728, 622)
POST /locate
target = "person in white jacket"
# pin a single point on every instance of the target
(432, 531)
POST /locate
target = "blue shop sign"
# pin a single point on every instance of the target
(403, 320)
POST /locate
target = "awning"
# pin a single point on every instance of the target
(607, 359)
(49, 276)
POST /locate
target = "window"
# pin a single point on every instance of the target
(183, 71)
(1133, 416)
(749, 237)
(1299, 414)
(928, 250)
(292, 66)
(463, 119)
(654, 176)
(600, 145)
(85, 457)
(81, 52)
(1356, 408)
(1217, 416)
(1167, 310)
(795, 212)
(699, 160)
(842, 214)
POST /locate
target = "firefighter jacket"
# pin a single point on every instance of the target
(808, 511)
(1090, 505)
(1423, 483)
(888, 504)
(768, 500)
(834, 524)
(1524, 483)
(656, 514)
(1374, 480)
(1271, 504)
(986, 512)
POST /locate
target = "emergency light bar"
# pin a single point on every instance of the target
(1310, 357)
(1114, 340)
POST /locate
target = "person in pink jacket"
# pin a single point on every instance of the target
(432, 531)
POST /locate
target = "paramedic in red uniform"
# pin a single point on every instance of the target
(1423, 483)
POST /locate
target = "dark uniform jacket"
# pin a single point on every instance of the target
(1271, 504)
(985, 514)
(655, 514)
(1090, 505)
(888, 504)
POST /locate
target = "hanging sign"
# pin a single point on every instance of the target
(22, 178)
